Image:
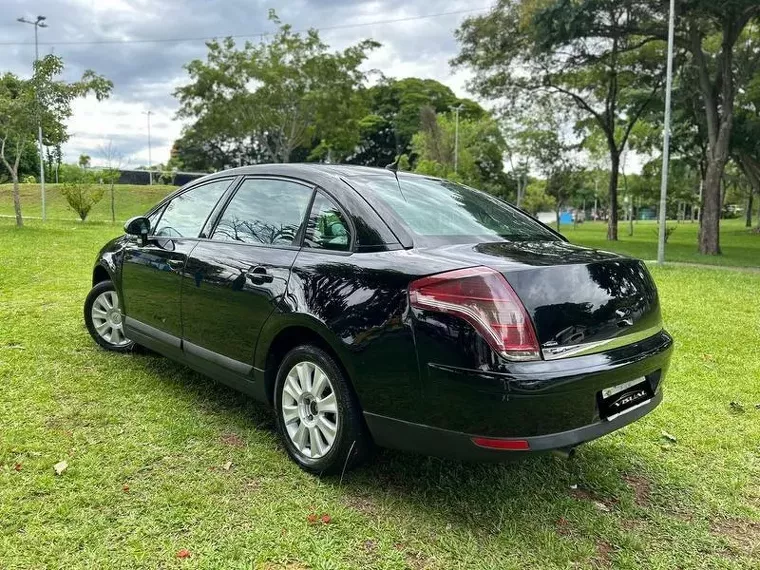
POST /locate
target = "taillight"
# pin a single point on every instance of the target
(483, 298)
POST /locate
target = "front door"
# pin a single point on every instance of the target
(234, 280)
(151, 274)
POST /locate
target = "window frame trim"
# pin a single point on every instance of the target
(212, 225)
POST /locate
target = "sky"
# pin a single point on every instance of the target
(145, 73)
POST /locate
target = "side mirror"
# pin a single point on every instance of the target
(138, 226)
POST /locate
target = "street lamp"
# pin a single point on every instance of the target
(666, 139)
(39, 23)
(456, 135)
(150, 160)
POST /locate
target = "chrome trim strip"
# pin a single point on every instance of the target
(557, 352)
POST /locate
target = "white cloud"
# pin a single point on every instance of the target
(146, 74)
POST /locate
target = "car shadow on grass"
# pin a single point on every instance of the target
(534, 491)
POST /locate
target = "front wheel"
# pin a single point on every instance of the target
(318, 415)
(105, 319)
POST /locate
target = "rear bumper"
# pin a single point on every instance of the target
(544, 404)
(427, 440)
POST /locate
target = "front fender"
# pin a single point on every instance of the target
(110, 259)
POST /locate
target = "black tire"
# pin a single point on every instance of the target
(352, 443)
(95, 292)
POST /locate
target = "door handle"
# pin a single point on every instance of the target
(259, 275)
(175, 264)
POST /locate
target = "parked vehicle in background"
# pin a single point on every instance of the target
(368, 307)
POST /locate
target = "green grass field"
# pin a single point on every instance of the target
(129, 200)
(147, 442)
(740, 246)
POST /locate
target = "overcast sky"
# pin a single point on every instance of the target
(146, 73)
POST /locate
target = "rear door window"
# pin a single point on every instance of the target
(327, 228)
(264, 212)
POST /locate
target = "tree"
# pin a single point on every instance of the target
(42, 99)
(84, 161)
(394, 116)
(579, 53)
(545, 146)
(536, 199)
(278, 96)
(721, 55)
(114, 160)
(481, 147)
(705, 24)
(745, 137)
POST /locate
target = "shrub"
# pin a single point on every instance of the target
(668, 230)
(82, 197)
(28, 179)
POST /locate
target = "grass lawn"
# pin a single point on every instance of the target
(147, 442)
(129, 200)
(740, 247)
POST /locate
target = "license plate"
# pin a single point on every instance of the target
(624, 398)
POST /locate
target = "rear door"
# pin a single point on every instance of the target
(233, 280)
(151, 274)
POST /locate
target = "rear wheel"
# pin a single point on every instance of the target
(318, 415)
(104, 318)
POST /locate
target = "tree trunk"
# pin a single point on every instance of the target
(17, 201)
(557, 213)
(709, 232)
(748, 222)
(612, 224)
(113, 205)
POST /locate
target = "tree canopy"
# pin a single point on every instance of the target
(264, 101)
(41, 100)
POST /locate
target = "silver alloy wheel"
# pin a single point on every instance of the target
(107, 318)
(309, 409)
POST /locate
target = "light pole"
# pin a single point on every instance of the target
(39, 23)
(150, 160)
(456, 134)
(666, 139)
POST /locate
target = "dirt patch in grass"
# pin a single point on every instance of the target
(363, 504)
(232, 439)
(604, 504)
(603, 556)
(744, 535)
(414, 559)
(641, 487)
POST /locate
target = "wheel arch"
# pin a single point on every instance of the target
(100, 274)
(275, 343)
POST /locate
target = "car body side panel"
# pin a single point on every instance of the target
(359, 304)
(151, 280)
(224, 304)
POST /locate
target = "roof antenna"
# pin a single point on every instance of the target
(393, 167)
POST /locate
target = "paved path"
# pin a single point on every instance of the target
(706, 266)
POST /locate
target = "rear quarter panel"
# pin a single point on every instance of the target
(358, 303)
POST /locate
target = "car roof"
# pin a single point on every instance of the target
(301, 168)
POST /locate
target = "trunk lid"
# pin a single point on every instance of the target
(581, 300)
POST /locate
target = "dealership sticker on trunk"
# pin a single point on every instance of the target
(624, 398)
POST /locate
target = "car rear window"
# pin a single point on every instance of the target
(440, 211)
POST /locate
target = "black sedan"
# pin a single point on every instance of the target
(368, 306)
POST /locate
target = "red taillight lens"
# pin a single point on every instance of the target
(504, 444)
(483, 298)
